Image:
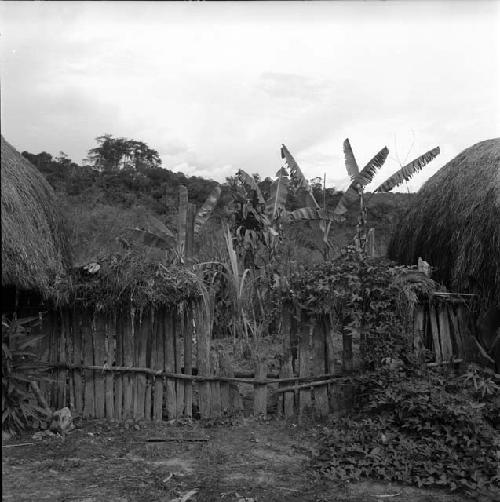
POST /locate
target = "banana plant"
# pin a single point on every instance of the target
(407, 171)
(359, 180)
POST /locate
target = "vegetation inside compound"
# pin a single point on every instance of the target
(402, 423)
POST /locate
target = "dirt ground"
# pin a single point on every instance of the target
(245, 460)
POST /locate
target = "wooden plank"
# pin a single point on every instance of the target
(190, 217)
(88, 360)
(157, 362)
(435, 333)
(444, 333)
(188, 362)
(99, 360)
(141, 336)
(179, 340)
(305, 341)
(182, 220)
(320, 332)
(128, 360)
(118, 360)
(61, 357)
(44, 355)
(260, 390)
(288, 400)
(77, 359)
(347, 364)
(225, 370)
(110, 345)
(68, 322)
(215, 391)
(418, 330)
(149, 381)
(229, 390)
(169, 361)
(457, 334)
(203, 363)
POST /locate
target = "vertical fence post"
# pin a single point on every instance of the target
(110, 357)
(287, 399)
(203, 344)
(188, 361)
(190, 217)
(444, 332)
(320, 333)
(182, 220)
(88, 360)
(99, 359)
(61, 335)
(77, 360)
(435, 332)
(179, 348)
(128, 359)
(215, 390)
(157, 362)
(118, 390)
(260, 390)
(305, 367)
(169, 337)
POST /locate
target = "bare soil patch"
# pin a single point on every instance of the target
(264, 461)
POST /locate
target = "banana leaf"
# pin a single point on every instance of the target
(406, 172)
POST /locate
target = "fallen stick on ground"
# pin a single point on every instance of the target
(14, 445)
(164, 440)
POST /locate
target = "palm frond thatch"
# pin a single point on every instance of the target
(34, 247)
(453, 223)
(406, 172)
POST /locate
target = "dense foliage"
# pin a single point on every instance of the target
(20, 365)
(417, 427)
(368, 298)
(128, 279)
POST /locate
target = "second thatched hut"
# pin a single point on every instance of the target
(454, 224)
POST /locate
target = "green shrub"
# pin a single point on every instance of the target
(20, 366)
(418, 428)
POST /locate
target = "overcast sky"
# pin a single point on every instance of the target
(215, 87)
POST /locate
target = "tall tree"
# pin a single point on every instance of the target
(112, 154)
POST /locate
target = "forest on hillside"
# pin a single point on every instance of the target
(122, 185)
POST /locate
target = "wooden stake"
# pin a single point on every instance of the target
(88, 360)
(203, 339)
(157, 362)
(260, 391)
(110, 343)
(169, 337)
(188, 361)
(320, 333)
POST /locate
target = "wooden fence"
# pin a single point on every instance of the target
(131, 365)
(443, 326)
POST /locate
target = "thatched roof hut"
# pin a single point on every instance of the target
(454, 224)
(34, 249)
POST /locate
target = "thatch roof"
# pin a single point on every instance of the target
(129, 280)
(454, 224)
(34, 250)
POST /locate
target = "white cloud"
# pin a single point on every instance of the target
(218, 87)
